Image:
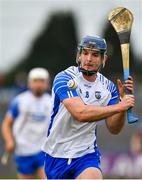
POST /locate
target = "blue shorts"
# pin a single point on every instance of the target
(28, 165)
(59, 168)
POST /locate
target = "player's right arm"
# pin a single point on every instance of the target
(7, 133)
(8, 124)
(81, 112)
(91, 113)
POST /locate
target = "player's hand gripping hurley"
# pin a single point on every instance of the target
(122, 19)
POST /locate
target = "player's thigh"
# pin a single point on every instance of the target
(39, 165)
(40, 173)
(90, 173)
(22, 176)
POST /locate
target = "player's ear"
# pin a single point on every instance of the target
(104, 60)
(79, 59)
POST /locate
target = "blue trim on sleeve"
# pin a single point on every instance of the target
(113, 101)
(111, 87)
(13, 109)
(55, 111)
(60, 86)
(114, 93)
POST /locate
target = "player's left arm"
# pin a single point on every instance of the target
(116, 122)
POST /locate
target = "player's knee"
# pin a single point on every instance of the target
(90, 173)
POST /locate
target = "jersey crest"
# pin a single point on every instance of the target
(97, 94)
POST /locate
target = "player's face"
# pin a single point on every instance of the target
(90, 59)
(38, 86)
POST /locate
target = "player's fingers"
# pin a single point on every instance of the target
(130, 78)
(130, 100)
(129, 82)
(129, 96)
(132, 103)
(130, 88)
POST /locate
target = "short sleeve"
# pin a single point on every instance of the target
(114, 94)
(61, 88)
(13, 108)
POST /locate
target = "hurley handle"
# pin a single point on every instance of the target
(125, 56)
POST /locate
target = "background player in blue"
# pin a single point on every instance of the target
(81, 97)
(25, 125)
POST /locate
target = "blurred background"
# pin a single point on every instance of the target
(45, 33)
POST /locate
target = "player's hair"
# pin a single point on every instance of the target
(38, 73)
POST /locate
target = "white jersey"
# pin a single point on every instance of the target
(67, 137)
(31, 118)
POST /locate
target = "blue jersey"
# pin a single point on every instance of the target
(67, 137)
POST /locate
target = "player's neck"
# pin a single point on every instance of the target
(90, 78)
